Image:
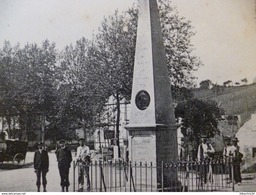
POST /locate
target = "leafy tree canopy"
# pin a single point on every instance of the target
(199, 118)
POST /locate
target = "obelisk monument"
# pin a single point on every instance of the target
(152, 130)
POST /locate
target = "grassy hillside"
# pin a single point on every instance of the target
(239, 100)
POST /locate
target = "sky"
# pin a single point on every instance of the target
(225, 38)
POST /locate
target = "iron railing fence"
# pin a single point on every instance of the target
(117, 176)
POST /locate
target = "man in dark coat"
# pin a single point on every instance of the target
(64, 159)
(237, 159)
(41, 166)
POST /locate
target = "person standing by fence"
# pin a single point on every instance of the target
(228, 152)
(205, 150)
(237, 159)
(83, 161)
(227, 149)
(41, 166)
(64, 159)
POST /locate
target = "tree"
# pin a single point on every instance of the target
(199, 117)
(8, 102)
(81, 97)
(245, 81)
(181, 93)
(205, 84)
(29, 81)
(227, 83)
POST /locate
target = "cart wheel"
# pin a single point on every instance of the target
(18, 159)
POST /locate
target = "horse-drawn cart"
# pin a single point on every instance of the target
(13, 151)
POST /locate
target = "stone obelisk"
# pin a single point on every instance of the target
(152, 130)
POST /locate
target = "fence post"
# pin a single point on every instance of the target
(232, 174)
(162, 170)
(115, 175)
(140, 176)
(130, 168)
(151, 177)
(91, 171)
(100, 176)
(110, 176)
(96, 175)
(74, 178)
(146, 176)
(120, 175)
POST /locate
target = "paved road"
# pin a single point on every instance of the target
(246, 186)
(24, 179)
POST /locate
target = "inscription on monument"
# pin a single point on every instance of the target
(143, 144)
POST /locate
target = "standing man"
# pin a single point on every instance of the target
(41, 166)
(227, 150)
(228, 153)
(83, 161)
(237, 159)
(205, 150)
(64, 159)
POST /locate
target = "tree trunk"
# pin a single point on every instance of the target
(9, 127)
(82, 121)
(117, 123)
(43, 128)
(26, 126)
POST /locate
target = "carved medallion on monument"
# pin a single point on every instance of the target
(142, 100)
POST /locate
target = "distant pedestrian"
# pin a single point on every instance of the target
(64, 159)
(205, 151)
(83, 160)
(237, 159)
(41, 166)
(228, 152)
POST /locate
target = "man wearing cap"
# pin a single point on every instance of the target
(228, 152)
(64, 159)
(237, 159)
(83, 161)
(41, 166)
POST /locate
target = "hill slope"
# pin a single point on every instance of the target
(240, 100)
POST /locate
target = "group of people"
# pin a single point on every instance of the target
(231, 153)
(64, 159)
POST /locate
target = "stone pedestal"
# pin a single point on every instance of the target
(152, 131)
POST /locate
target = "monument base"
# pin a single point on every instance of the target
(150, 147)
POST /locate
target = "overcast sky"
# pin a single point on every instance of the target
(225, 37)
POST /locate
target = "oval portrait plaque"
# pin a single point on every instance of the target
(142, 100)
